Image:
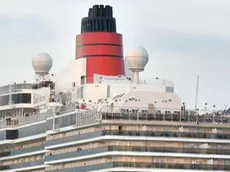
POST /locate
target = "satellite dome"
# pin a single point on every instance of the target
(42, 63)
(137, 59)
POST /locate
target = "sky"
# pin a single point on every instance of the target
(184, 39)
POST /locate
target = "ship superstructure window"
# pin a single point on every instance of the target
(21, 98)
(82, 80)
(31, 130)
(11, 134)
(16, 99)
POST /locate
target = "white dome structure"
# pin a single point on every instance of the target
(137, 60)
(42, 63)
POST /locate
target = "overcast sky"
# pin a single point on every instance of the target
(184, 38)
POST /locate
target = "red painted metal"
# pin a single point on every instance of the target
(110, 66)
(99, 37)
(93, 50)
(103, 52)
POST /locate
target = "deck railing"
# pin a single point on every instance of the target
(122, 113)
(15, 87)
(176, 115)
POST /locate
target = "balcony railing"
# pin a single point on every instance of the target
(140, 149)
(92, 113)
(168, 118)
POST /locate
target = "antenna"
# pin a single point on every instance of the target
(137, 60)
(197, 89)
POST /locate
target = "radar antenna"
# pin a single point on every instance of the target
(137, 60)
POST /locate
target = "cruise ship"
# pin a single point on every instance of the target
(98, 115)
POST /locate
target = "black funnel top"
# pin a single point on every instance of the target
(100, 19)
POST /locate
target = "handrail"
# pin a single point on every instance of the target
(14, 87)
(108, 112)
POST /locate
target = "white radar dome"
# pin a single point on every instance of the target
(42, 63)
(137, 59)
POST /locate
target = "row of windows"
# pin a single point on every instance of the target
(74, 148)
(23, 132)
(163, 165)
(20, 148)
(16, 99)
(166, 129)
(135, 133)
(141, 132)
(79, 151)
(23, 160)
(78, 164)
(149, 146)
(167, 134)
(149, 162)
(72, 133)
(174, 144)
(23, 165)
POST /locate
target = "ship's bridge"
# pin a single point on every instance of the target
(26, 94)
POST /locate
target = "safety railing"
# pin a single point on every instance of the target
(15, 87)
(176, 115)
(91, 113)
(123, 79)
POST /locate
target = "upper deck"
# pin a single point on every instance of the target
(22, 86)
(126, 114)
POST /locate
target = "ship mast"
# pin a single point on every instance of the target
(197, 91)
